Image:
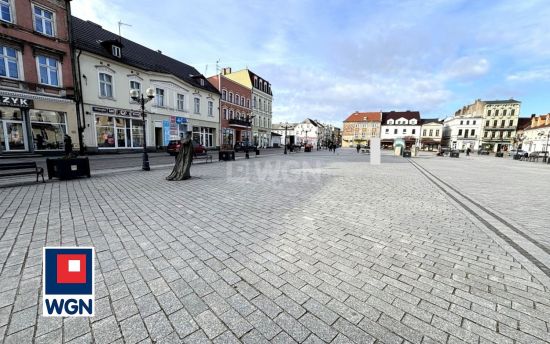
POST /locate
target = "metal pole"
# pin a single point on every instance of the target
(145, 166)
(286, 126)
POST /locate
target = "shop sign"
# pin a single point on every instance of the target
(17, 102)
(117, 112)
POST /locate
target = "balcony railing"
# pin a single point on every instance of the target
(469, 137)
(500, 127)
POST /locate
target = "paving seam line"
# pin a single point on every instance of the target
(533, 262)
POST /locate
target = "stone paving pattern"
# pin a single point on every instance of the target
(306, 248)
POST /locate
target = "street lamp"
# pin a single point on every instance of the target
(248, 123)
(137, 96)
(286, 126)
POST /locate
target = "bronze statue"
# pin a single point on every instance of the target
(183, 160)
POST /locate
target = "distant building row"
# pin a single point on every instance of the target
(52, 84)
(308, 131)
(490, 125)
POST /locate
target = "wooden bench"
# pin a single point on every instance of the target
(202, 156)
(21, 168)
(534, 156)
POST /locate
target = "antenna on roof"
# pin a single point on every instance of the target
(217, 66)
(205, 69)
(120, 23)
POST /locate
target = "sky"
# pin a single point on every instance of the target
(327, 59)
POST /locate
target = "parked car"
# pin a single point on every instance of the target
(483, 152)
(243, 146)
(174, 147)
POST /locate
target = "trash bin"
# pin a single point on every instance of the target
(455, 154)
(406, 154)
(499, 154)
(517, 156)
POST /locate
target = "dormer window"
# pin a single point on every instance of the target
(201, 82)
(116, 51)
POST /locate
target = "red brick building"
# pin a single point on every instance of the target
(36, 76)
(235, 109)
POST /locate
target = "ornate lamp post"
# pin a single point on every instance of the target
(137, 96)
(286, 126)
(248, 124)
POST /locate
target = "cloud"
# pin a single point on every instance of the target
(538, 74)
(466, 67)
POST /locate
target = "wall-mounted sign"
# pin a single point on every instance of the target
(117, 112)
(17, 102)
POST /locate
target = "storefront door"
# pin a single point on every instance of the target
(14, 136)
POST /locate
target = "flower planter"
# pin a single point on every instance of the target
(68, 168)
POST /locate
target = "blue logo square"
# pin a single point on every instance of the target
(57, 278)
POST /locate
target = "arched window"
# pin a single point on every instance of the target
(230, 97)
(237, 98)
(224, 95)
(230, 113)
(242, 101)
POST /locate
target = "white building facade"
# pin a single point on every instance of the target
(400, 125)
(463, 132)
(536, 137)
(113, 121)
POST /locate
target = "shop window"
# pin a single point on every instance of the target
(9, 64)
(6, 11)
(118, 132)
(48, 129)
(43, 21)
(48, 70)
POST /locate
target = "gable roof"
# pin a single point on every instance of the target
(91, 37)
(408, 115)
(524, 122)
(364, 117)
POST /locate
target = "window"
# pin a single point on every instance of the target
(248, 103)
(437, 132)
(224, 113)
(474, 122)
(395, 131)
(48, 129)
(8, 63)
(197, 107)
(431, 132)
(5, 10)
(488, 112)
(135, 85)
(404, 130)
(486, 134)
(387, 130)
(230, 97)
(181, 102)
(461, 122)
(224, 94)
(495, 123)
(116, 51)
(414, 131)
(210, 108)
(472, 132)
(159, 97)
(496, 112)
(105, 85)
(48, 70)
(242, 101)
(203, 135)
(43, 21)
(237, 98)
(459, 132)
(504, 112)
(424, 132)
(487, 123)
(260, 103)
(117, 132)
(502, 123)
(511, 123)
(231, 114)
(254, 102)
(513, 112)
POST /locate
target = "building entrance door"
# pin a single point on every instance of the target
(13, 135)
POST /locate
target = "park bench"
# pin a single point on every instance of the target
(21, 168)
(534, 156)
(203, 156)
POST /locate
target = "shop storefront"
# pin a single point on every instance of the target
(173, 128)
(29, 126)
(118, 129)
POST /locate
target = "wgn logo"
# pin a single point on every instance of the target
(68, 280)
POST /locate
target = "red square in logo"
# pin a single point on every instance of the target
(71, 268)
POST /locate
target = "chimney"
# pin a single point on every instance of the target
(227, 70)
(158, 51)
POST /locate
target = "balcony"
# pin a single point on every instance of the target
(469, 137)
(240, 122)
(500, 127)
(497, 139)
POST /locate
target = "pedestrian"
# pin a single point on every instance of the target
(358, 147)
(468, 150)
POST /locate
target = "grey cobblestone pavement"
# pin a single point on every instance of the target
(306, 248)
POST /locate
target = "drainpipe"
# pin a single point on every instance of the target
(76, 85)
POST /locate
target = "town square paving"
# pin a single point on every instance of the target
(308, 248)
